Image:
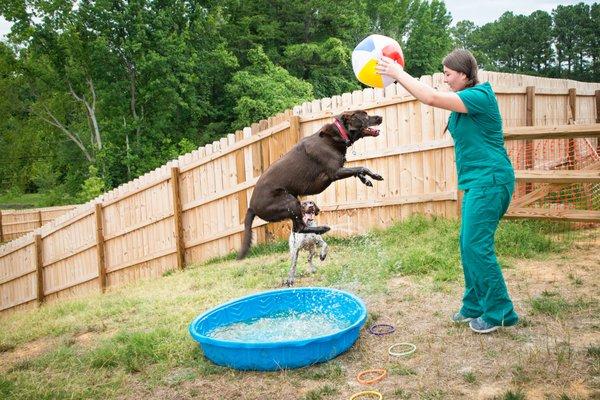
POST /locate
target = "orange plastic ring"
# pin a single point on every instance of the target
(382, 373)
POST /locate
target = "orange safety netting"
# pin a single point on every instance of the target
(556, 154)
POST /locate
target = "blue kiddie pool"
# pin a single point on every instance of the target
(280, 329)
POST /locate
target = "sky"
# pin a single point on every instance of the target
(480, 12)
(484, 11)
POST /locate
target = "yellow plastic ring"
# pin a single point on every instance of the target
(411, 346)
(369, 393)
(382, 373)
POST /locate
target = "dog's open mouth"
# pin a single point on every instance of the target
(308, 217)
(370, 132)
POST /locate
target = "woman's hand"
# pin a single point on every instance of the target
(387, 66)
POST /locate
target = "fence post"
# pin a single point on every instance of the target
(1, 232)
(598, 106)
(100, 247)
(39, 266)
(529, 121)
(598, 117)
(572, 120)
(39, 218)
(179, 244)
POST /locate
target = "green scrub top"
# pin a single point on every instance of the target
(481, 159)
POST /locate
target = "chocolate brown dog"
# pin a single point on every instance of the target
(308, 168)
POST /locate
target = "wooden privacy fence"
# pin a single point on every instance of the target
(16, 223)
(192, 208)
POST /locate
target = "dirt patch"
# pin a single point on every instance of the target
(25, 352)
(545, 357)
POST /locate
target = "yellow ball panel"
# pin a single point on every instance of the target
(369, 76)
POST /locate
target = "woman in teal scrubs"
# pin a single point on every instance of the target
(486, 176)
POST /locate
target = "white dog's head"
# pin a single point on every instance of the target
(309, 212)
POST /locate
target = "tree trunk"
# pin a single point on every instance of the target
(72, 136)
(91, 112)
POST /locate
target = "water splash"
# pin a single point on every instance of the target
(283, 327)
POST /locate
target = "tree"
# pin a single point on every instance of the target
(429, 39)
(263, 89)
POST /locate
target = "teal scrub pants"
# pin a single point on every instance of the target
(485, 295)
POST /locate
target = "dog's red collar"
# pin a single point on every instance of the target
(342, 130)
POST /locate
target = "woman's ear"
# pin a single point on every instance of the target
(317, 210)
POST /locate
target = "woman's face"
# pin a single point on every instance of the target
(456, 80)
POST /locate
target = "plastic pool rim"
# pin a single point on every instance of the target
(351, 332)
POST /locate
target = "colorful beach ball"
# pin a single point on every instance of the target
(366, 54)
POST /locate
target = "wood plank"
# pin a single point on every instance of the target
(39, 266)
(147, 258)
(33, 221)
(242, 199)
(178, 228)
(15, 304)
(68, 222)
(120, 197)
(394, 201)
(1, 233)
(100, 248)
(571, 119)
(552, 132)
(21, 274)
(231, 231)
(398, 150)
(70, 285)
(597, 95)
(535, 195)
(210, 198)
(70, 254)
(579, 176)
(553, 214)
(239, 145)
(138, 226)
(529, 121)
(598, 118)
(401, 98)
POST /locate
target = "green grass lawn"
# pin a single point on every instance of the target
(134, 339)
(10, 200)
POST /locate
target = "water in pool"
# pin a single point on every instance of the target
(279, 328)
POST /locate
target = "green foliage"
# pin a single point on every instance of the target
(263, 89)
(429, 40)
(132, 351)
(510, 395)
(554, 305)
(128, 88)
(321, 393)
(93, 186)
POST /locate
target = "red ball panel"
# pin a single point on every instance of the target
(394, 52)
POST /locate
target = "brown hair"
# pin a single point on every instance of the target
(461, 60)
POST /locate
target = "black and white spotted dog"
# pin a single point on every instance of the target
(306, 241)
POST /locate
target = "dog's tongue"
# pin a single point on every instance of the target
(308, 217)
(371, 132)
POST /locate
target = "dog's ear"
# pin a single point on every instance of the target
(344, 117)
(317, 209)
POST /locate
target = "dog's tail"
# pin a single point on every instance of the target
(247, 241)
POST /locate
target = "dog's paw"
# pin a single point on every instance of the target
(368, 183)
(377, 177)
(288, 282)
